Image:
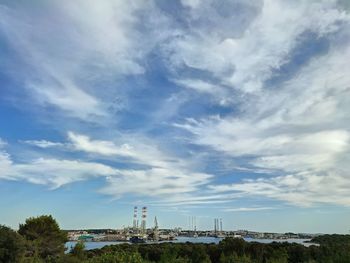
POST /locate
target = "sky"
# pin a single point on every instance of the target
(227, 109)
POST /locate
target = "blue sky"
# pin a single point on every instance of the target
(225, 109)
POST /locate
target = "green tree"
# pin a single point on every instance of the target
(11, 245)
(233, 245)
(117, 257)
(170, 256)
(78, 251)
(199, 255)
(233, 258)
(44, 237)
(278, 255)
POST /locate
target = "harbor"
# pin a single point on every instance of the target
(138, 232)
(205, 240)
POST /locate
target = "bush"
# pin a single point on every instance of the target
(11, 245)
(44, 237)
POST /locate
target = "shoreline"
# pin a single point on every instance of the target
(200, 240)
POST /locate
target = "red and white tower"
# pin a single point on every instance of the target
(144, 218)
(134, 223)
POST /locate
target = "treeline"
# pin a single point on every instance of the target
(330, 240)
(37, 240)
(41, 240)
(231, 250)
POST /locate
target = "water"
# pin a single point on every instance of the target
(207, 240)
(91, 245)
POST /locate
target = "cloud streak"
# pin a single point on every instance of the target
(162, 175)
(215, 102)
(297, 128)
(248, 209)
(66, 50)
(43, 143)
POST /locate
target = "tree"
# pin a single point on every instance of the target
(11, 245)
(78, 251)
(44, 236)
(199, 255)
(117, 257)
(233, 258)
(233, 245)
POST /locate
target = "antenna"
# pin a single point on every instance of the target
(155, 223)
(156, 230)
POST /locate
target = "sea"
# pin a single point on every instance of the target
(207, 240)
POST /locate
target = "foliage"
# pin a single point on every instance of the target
(332, 240)
(78, 251)
(117, 257)
(40, 240)
(11, 245)
(44, 237)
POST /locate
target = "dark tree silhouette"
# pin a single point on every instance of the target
(45, 239)
(11, 245)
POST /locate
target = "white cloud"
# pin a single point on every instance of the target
(56, 173)
(83, 143)
(52, 172)
(105, 32)
(2, 143)
(164, 174)
(248, 209)
(204, 197)
(198, 85)
(71, 49)
(295, 139)
(248, 58)
(218, 93)
(5, 161)
(5, 165)
(301, 189)
(65, 96)
(299, 128)
(156, 182)
(142, 152)
(43, 143)
(191, 3)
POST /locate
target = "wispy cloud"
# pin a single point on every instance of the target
(67, 49)
(52, 172)
(256, 94)
(246, 55)
(5, 165)
(2, 143)
(43, 143)
(302, 189)
(297, 127)
(162, 176)
(84, 143)
(205, 197)
(153, 182)
(156, 182)
(248, 209)
(142, 152)
(56, 173)
(295, 138)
